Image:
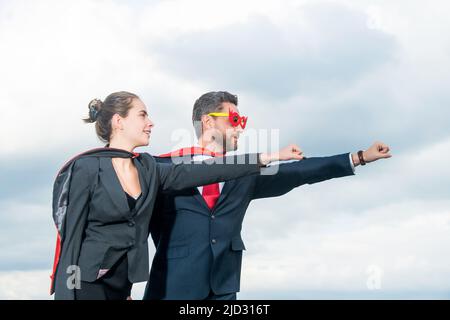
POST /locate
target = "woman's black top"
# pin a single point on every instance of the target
(131, 201)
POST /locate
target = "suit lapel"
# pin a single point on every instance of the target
(225, 191)
(144, 181)
(223, 194)
(201, 201)
(111, 183)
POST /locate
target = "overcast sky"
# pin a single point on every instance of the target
(331, 76)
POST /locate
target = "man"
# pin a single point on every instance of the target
(197, 231)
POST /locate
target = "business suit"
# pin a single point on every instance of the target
(198, 250)
(95, 224)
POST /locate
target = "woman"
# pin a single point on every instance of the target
(103, 201)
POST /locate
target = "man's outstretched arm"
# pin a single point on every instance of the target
(313, 170)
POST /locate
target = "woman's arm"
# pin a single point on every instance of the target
(180, 176)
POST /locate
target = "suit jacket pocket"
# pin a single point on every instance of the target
(112, 255)
(237, 244)
(177, 252)
(91, 257)
(98, 257)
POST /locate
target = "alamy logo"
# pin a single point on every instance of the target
(74, 279)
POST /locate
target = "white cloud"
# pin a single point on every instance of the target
(406, 241)
(58, 56)
(311, 52)
(25, 285)
(62, 55)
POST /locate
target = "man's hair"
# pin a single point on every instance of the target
(207, 103)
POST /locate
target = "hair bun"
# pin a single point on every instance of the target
(94, 107)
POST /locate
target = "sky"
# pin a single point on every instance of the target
(330, 76)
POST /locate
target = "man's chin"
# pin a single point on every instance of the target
(231, 147)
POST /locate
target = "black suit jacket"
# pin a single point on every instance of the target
(94, 221)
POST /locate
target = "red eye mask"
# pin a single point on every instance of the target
(234, 118)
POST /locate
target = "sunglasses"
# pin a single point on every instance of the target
(234, 118)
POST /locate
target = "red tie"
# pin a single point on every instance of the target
(211, 193)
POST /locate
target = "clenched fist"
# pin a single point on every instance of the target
(291, 152)
(377, 151)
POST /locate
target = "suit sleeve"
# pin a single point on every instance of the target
(277, 180)
(179, 176)
(72, 231)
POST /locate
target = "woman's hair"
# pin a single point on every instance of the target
(102, 112)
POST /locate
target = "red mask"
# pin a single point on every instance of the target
(234, 118)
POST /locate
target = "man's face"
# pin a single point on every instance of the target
(223, 131)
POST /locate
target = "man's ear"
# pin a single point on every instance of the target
(207, 122)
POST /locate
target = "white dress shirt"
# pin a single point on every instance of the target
(203, 157)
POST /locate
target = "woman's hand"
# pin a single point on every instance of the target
(291, 152)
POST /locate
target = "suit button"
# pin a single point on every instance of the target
(213, 217)
(130, 243)
(131, 224)
(213, 241)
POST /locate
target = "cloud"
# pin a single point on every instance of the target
(25, 285)
(28, 235)
(323, 47)
(402, 240)
(57, 57)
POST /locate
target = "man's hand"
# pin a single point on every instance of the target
(291, 152)
(377, 151)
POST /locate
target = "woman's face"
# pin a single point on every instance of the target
(137, 126)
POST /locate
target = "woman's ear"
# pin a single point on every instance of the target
(116, 122)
